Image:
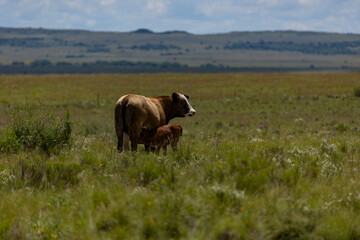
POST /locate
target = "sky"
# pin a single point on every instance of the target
(194, 16)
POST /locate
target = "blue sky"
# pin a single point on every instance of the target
(195, 16)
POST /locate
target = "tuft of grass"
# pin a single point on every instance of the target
(357, 91)
(39, 173)
(30, 130)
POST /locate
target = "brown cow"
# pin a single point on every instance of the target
(136, 113)
(163, 136)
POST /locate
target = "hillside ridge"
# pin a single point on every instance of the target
(286, 49)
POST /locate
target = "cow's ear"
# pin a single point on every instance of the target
(175, 97)
(187, 96)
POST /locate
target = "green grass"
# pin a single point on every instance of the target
(35, 130)
(267, 156)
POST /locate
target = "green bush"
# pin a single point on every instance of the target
(357, 92)
(42, 174)
(29, 130)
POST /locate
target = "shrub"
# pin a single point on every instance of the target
(357, 92)
(146, 171)
(29, 131)
(39, 173)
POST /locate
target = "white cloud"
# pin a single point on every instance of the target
(107, 2)
(219, 8)
(156, 6)
(269, 2)
(305, 2)
(91, 23)
(74, 4)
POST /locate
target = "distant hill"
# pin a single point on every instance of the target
(143, 31)
(237, 50)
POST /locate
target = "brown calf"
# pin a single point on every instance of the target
(163, 136)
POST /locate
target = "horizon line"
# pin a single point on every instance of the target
(149, 31)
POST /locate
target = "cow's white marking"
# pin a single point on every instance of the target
(192, 110)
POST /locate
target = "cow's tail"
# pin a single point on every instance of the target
(121, 126)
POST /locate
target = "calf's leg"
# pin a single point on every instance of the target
(164, 149)
(174, 145)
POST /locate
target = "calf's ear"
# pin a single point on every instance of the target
(175, 97)
(187, 96)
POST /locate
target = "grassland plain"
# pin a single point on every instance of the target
(267, 156)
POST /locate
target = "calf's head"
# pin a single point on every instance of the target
(181, 105)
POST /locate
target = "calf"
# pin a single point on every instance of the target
(163, 136)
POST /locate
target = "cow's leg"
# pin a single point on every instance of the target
(120, 143)
(157, 150)
(149, 149)
(133, 146)
(135, 122)
(134, 137)
(123, 142)
(126, 142)
(119, 127)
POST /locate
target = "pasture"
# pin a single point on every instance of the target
(267, 156)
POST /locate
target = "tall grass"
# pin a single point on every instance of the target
(29, 130)
(269, 163)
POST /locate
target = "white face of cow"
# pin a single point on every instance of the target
(181, 105)
(185, 98)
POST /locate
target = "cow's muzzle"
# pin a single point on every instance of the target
(191, 112)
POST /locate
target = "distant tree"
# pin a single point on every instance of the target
(41, 63)
(63, 64)
(98, 49)
(322, 48)
(18, 64)
(80, 44)
(151, 46)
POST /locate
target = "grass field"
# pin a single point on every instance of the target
(267, 156)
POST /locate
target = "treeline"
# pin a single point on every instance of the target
(47, 67)
(35, 42)
(151, 46)
(308, 48)
(122, 63)
(31, 42)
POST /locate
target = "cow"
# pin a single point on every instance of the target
(163, 136)
(136, 114)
